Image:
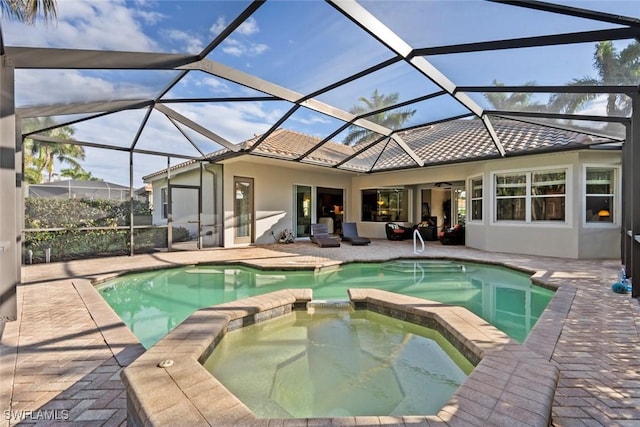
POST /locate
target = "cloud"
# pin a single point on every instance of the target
(233, 47)
(150, 18)
(191, 43)
(311, 120)
(239, 45)
(33, 87)
(214, 83)
(596, 107)
(258, 48)
(237, 48)
(235, 122)
(248, 27)
(85, 25)
(218, 26)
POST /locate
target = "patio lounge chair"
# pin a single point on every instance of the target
(396, 231)
(350, 234)
(453, 236)
(321, 237)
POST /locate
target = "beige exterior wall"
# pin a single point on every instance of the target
(185, 205)
(274, 182)
(572, 239)
(273, 193)
(415, 179)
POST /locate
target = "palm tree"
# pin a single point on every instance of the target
(79, 174)
(28, 10)
(40, 157)
(513, 101)
(614, 68)
(389, 119)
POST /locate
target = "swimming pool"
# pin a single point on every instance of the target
(154, 302)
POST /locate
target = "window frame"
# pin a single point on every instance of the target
(408, 204)
(164, 202)
(562, 195)
(524, 196)
(617, 196)
(471, 199)
(528, 196)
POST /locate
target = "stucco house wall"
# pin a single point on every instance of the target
(185, 204)
(274, 182)
(413, 178)
(574, 238)
(273, 193)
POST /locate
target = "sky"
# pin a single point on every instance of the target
(301, 45)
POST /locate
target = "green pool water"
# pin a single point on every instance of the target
(154, 302)
(336, 363)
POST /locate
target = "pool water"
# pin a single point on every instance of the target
(154, 302)
(338, 363)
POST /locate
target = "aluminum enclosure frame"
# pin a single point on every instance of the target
(16, 57)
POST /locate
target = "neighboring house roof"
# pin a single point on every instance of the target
(443, 143)
(79, 189)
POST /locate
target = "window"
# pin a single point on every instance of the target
(164, 202)
(548, 195)
(511, 197)
(531, 196)
(600, 193)
(385, 205)
(476, 199)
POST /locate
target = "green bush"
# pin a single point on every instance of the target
(77, 213)
(75, 244)
(180, 234)
(74, 214)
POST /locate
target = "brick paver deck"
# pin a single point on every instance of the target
(62, 358)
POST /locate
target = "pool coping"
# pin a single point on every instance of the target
(499, 387)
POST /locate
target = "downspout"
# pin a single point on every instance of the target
(215, 203)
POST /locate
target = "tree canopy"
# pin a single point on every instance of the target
(613, 68)
(393, 119)
(40, 157)
(27, 11)
(513, 101)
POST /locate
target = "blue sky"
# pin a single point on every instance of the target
(302, 45)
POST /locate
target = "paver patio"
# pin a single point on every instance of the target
(56, 362)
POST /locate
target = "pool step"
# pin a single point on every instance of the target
(424, 266)
(329, 305)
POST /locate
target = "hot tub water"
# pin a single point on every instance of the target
(333, 361)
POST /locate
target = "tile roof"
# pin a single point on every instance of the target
(443, 143)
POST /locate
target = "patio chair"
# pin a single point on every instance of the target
(453, 236)
(350, 234)
(396, 231)
(321, 237)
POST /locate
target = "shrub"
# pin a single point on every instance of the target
(73, 241)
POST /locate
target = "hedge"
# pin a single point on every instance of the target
(75, 214)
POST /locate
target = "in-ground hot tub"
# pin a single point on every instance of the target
(168, 384)
(333, 361)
